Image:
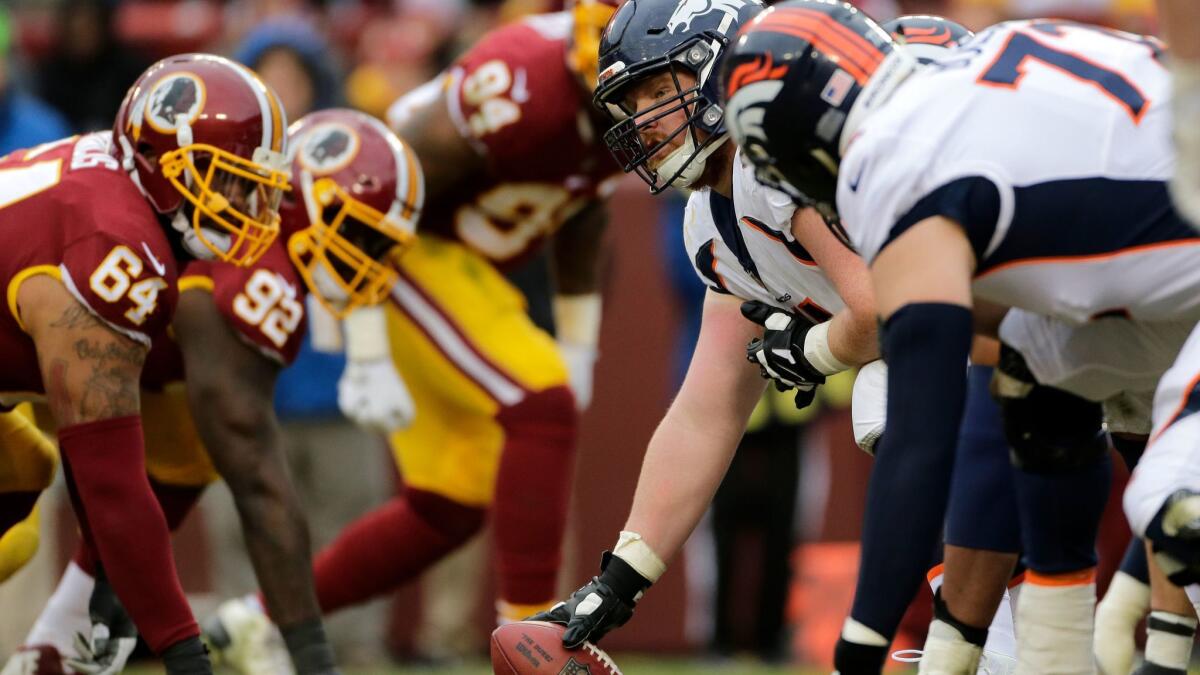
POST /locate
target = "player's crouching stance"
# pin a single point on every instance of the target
(746, 241)
(974, 212)
(91, 281)
(357, 194)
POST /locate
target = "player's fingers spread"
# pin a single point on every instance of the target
(756, 311)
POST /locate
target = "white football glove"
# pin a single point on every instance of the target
(372, 394)
(101, 654)
(581, 362)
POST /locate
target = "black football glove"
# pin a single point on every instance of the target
(779, 353)
(604, 603)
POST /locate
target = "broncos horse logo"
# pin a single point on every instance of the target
(688, 10)
(174, 102)
(329, 148)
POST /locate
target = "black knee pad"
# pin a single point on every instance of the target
(1049, 430)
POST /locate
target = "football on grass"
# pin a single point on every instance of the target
(536, 648)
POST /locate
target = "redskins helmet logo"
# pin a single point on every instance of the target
(328, 148)
(175, 101)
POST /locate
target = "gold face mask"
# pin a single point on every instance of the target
(589, 17)
(343, 255)
(230, 196)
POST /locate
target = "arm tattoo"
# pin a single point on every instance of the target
(101, 382)
(75, 316)
(109, 390)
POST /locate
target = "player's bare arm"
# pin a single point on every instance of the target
(853, 336)
(577, 247)
(577, 303)
(90, 371)
(91, 375)
(700, 431)
(446, 157)
(947, 282)
(230, 387)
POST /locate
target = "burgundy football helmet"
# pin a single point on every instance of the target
(359, 193)
(204, 139)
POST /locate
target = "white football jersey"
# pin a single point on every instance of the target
(745, 247)
(1049, 142)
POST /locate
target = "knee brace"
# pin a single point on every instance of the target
(1049, 430)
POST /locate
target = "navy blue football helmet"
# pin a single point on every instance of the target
(646, 38)
(790, 83)
(927, 37)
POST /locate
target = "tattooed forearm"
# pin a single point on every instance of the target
(91, 372)
(109, 393)
(58, 396)
(102, 353)
(75, 316)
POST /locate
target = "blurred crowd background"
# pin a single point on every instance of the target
(771, 572)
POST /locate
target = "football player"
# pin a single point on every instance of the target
(1006, 195)
(357, 195)
(513, 165)
(749, 242)
(93, 226)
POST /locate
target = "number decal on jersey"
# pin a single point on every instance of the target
(23, 182)
(1059, 27)
(269, 302)
(484, 90)
(1009, 67)
(504, 220)
(113, 279)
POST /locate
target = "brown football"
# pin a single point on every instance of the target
(535, 648)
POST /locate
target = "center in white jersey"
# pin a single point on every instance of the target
(1049, 142)
(744, 247)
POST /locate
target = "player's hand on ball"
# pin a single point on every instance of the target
(372, 394)
(779, 353)
(604, 603)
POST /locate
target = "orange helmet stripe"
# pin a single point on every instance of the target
(854, 53)
(754, 71)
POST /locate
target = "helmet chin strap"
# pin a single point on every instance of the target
(894, 70)
(680, 156)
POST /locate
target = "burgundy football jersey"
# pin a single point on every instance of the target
(68, 210)
(513, 97)
(264, 304)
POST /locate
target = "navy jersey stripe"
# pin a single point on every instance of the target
(1056, 219)
(973, 202)
(706, 266)
(793, 247)
(1190, 405)
(725, 219)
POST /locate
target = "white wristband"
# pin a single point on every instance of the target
(366, 334)
(633, 550)
(816, 350)
(577, 319)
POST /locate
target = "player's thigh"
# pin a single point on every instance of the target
(466, 348)
(27, 456)
(174, 453)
